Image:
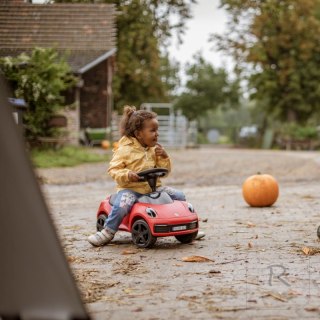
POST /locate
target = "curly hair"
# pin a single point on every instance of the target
(133, 120)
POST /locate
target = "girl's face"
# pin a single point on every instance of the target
(148, 136)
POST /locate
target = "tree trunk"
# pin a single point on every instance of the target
(291, 115)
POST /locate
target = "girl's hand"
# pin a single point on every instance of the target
(160, 152)
(133, 177)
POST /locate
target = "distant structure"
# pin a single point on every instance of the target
(174, 129)
(87, 34)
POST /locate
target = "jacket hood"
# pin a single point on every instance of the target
(124, 141)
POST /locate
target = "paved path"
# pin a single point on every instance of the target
(258, 269)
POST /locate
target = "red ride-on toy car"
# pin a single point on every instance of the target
(154, 215)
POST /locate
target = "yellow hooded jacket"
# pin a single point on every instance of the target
(132, 156)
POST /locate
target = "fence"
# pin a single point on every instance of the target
(174, 128)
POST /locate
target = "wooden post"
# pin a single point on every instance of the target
(109, 92)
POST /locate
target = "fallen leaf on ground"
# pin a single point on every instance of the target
(250, 224)
(129, 251)
(308, 197)
(73, 259)
(214, 271)
(226, 309)
(293, 293)
(128, 290)
(196, 259)
(310, 251)
(312, 309)
(306, 250)
(250, 245)
(139, 309)
(276, 296)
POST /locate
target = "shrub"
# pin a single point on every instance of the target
(39, 78)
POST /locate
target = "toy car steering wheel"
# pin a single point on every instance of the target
(151, 175)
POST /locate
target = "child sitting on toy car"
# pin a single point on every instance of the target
(138, 150)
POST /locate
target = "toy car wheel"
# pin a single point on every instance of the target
(141, 234)
(187, 238)
(318, 232)
(100, 221)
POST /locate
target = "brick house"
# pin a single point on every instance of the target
(87, 33)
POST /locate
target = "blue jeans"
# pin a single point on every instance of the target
(126, 199)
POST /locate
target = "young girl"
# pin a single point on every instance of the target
(138, 150)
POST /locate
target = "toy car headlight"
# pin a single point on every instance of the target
(151, 212)
(190, 207)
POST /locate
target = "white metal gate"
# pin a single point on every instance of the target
(173, 128)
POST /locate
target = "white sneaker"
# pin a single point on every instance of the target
(200, 235)
(101, 238)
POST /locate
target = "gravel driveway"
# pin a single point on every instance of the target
(262, 263)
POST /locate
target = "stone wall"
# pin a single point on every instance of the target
(73, 125)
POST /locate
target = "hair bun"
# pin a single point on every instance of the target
(129, 110)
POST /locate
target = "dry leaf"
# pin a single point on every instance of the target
(250, 224)
(139, 309)
(128, 290)
(308, 197)
(276, 296)
(73, 259)
(306, 250)
(196, 259)
(312, 309)
(250, 245)
(293, 293)
(310, 251)
(129, 252)
(214, 271)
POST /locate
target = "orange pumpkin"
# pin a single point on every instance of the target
(260, 190)
(115, 145)
(105, 144)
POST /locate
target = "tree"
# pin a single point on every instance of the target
(138, 76)
(277, 47)
(143, 72)
(40, 79)
(206, 89)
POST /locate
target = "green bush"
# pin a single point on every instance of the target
(298, 132)
(40, 79)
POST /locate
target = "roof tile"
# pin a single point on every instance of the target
(85, 30)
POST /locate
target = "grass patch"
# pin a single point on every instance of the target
(66, 157)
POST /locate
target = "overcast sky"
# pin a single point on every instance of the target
(207, 19)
